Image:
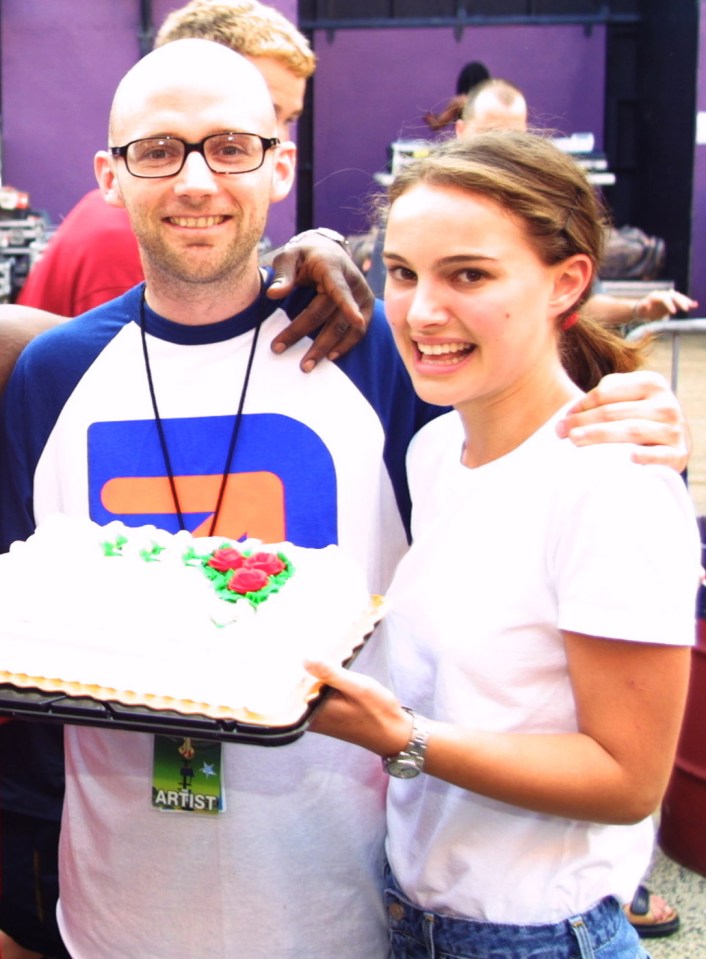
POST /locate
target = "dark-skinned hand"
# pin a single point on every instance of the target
(342, 307)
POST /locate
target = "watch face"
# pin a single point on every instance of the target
(403, 768)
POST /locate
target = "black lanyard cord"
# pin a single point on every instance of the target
(236, 425)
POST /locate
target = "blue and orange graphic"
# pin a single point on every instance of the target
(282, 484)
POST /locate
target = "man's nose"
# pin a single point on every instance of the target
(195, 175)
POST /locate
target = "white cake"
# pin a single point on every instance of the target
(131, 610)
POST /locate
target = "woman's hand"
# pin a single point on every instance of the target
(360, 710)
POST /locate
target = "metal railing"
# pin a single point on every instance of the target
(672, 328)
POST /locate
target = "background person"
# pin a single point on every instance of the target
(545, 702)
(497, 104)
(493, 104)
(470, 74)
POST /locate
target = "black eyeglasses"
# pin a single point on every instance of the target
(223, 153)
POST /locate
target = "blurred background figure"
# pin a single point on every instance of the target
(471, 74)
(493, 104)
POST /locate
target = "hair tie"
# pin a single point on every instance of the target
(571, 320)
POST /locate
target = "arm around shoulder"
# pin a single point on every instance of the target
(19, 325)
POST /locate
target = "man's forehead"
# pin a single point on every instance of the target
(184, 74)
(222, 94)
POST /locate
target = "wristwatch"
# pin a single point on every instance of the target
(409, 762)
(335, 236)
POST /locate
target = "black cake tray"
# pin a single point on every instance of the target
(55, 701)
(56, 707)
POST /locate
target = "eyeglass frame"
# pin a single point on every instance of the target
(267, 144)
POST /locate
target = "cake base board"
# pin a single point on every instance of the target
(54, 700)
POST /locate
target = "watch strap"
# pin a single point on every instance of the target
(409, 761)
(335, 236)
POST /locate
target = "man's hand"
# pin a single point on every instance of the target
(632, 408)
(342, 307)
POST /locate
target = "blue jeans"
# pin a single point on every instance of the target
(601, 933)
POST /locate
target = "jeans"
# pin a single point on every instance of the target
(601, 933)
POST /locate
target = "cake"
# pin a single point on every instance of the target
(144, 616)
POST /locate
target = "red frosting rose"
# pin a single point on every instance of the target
(269, 563)
(224, 559)
(246, 580)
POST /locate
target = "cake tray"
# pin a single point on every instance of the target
(53, 700)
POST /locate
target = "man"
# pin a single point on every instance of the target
(93, 256)
(290, 867)
(491, 105)
(262, 34)
(497, 104)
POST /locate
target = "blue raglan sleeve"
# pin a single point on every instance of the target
(34, 398)
(20, 447)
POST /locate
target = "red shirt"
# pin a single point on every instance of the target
(92, 258)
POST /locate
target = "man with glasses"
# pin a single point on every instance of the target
(290, 867)
(91, 259)
(222, 153)
(93, 256)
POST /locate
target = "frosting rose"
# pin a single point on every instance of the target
(227, 558)
(269, 563)
(246, 580)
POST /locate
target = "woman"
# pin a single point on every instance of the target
(539, 627)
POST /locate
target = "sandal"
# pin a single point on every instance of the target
(641, 916)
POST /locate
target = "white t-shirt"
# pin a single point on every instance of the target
(547, 538)
(292, 866)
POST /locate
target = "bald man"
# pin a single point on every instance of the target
(494, 104)
(299, 842)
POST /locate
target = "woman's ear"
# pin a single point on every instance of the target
(572, 278)
(104, 168)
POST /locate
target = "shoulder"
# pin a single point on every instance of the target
(601, 487)
(75, 342)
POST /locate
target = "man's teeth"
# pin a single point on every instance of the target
(439, 349)
(200, 222)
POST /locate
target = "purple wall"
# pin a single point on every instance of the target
(61, 61)
(390, 80)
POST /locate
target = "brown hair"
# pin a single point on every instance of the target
(529, 176)
(246, 26)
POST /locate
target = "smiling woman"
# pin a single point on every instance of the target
(486, 273)
(542, 703)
